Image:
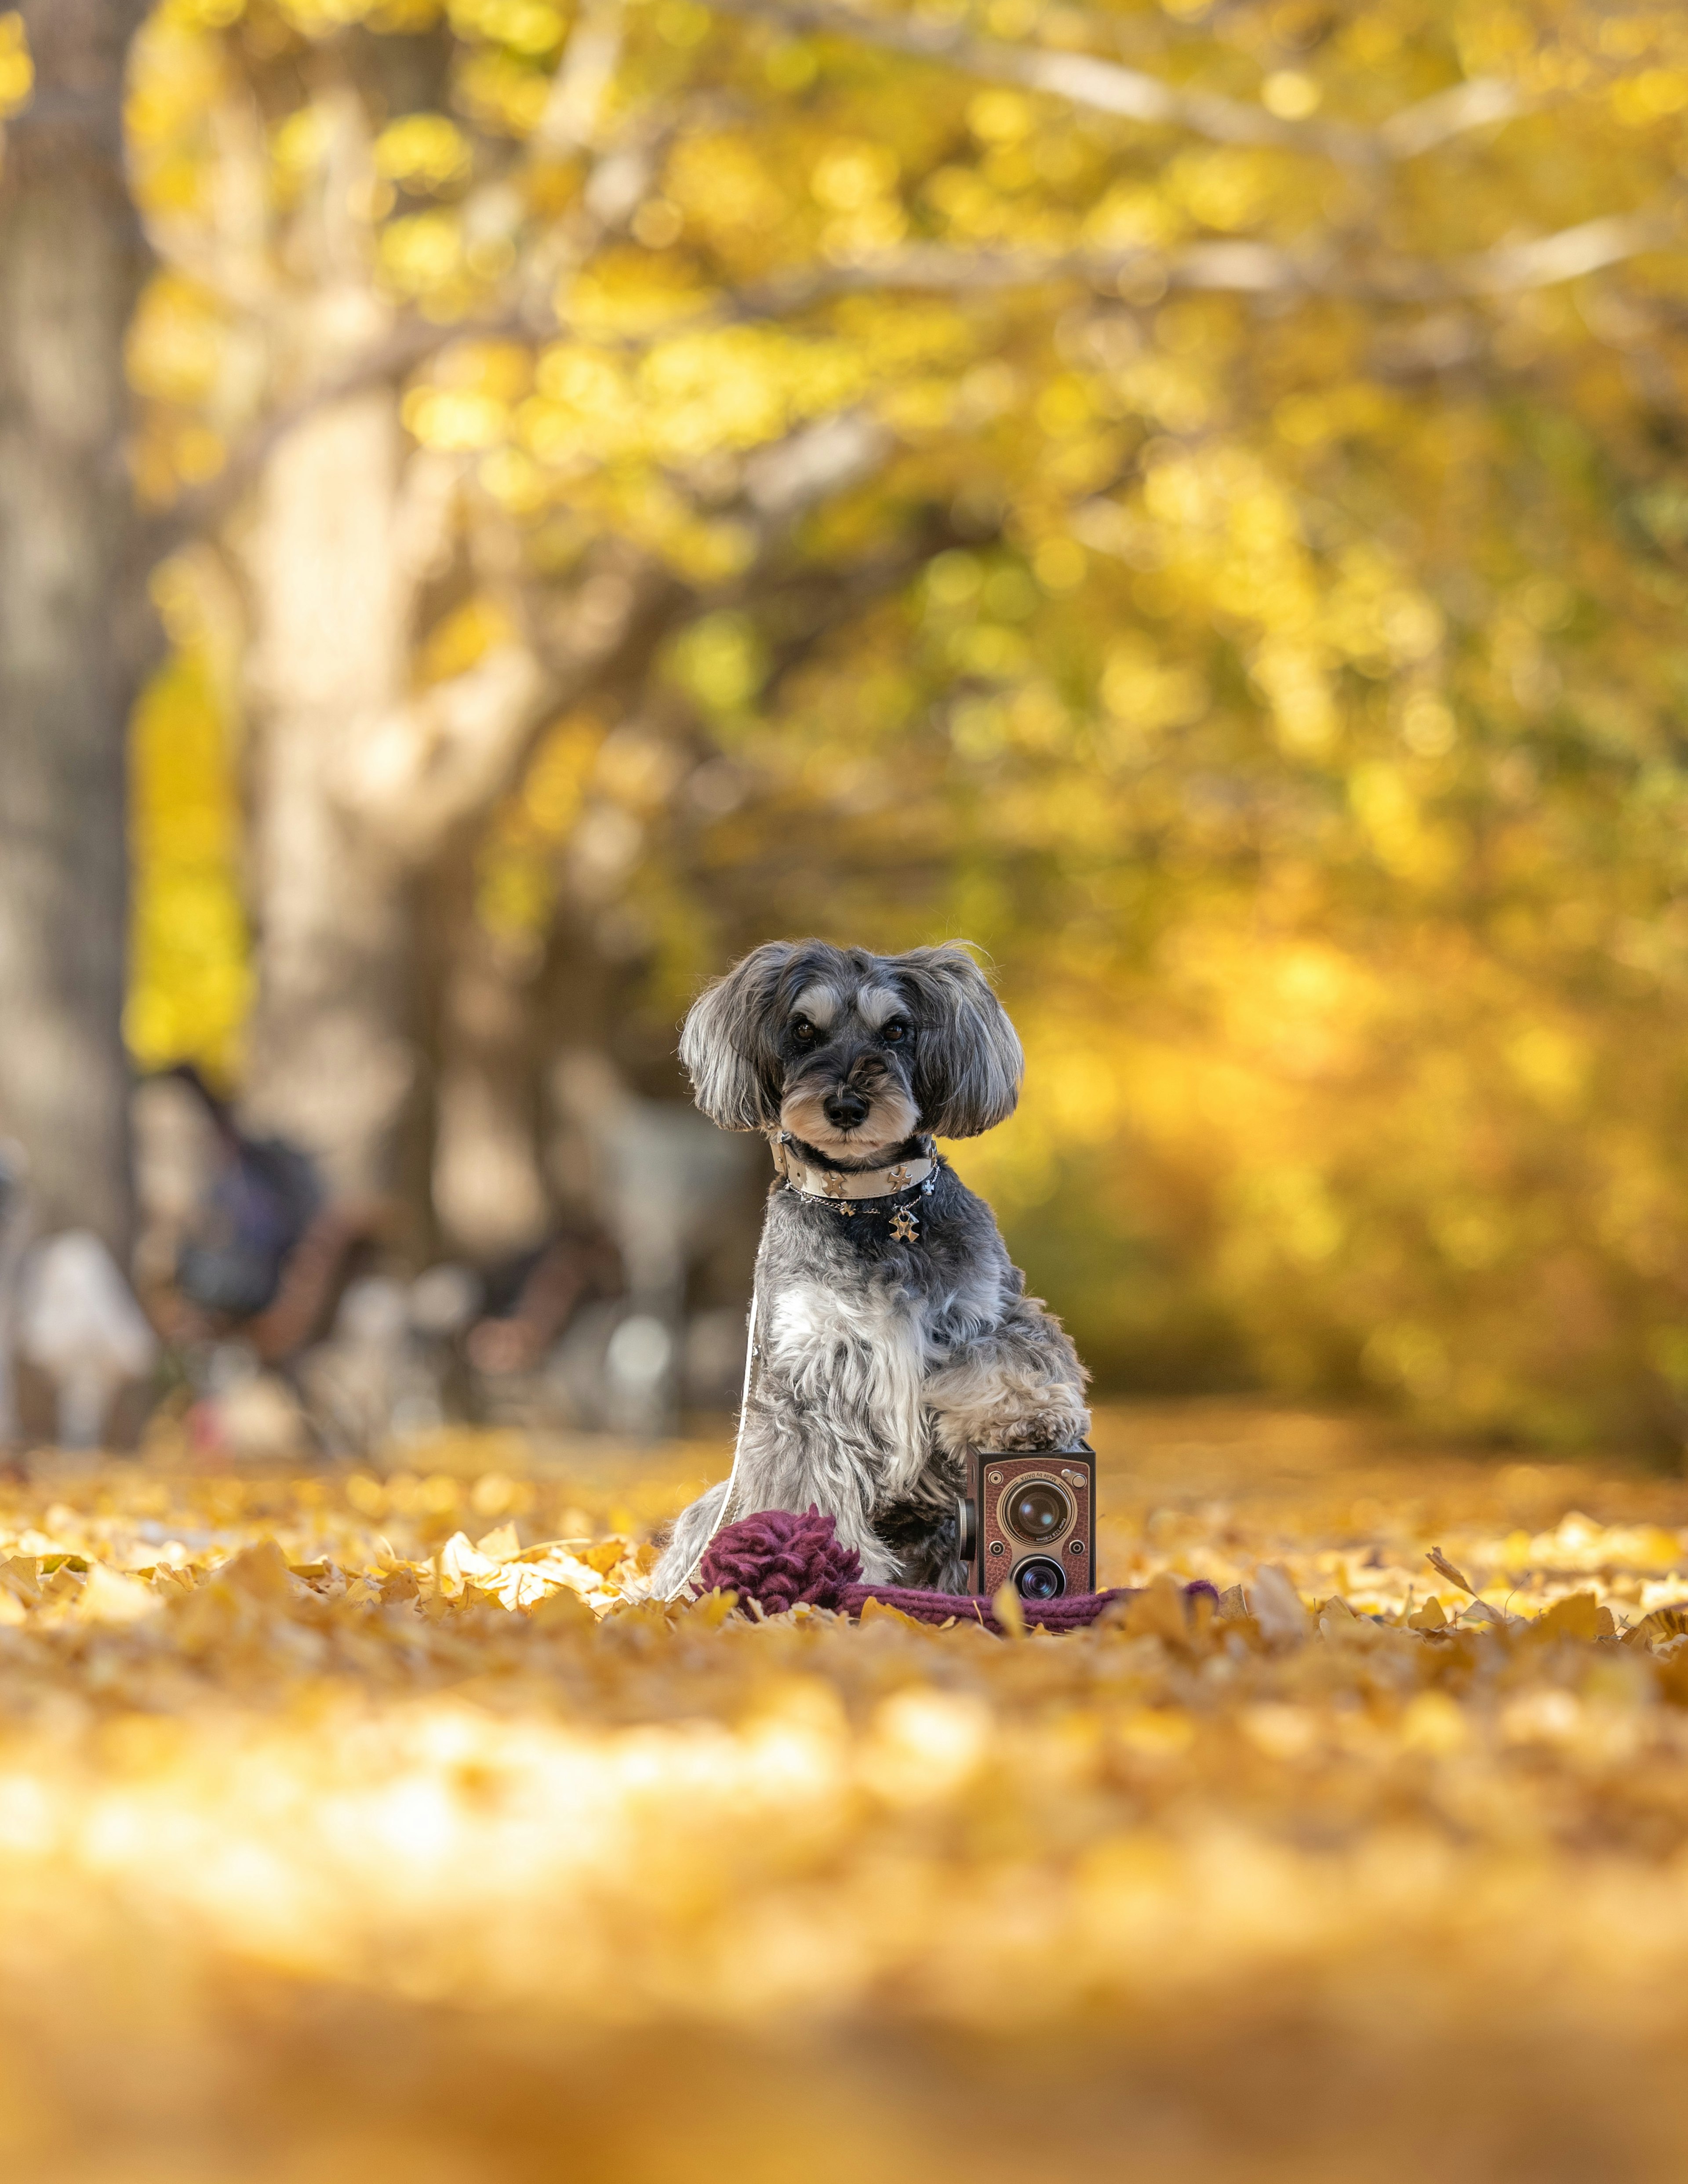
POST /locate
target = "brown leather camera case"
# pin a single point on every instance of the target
(997, 1552)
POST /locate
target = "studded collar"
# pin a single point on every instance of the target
(843, 1190)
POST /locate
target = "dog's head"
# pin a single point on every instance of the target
(853, 1053)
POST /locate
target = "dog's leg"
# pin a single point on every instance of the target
(790, 1460)
(920, 1529)
(1019, 1385)
(795, 1457)
(692, 1529)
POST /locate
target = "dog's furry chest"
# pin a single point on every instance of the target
(855, 1353)
(854, 1323)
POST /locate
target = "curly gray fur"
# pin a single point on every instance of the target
(881, 1362)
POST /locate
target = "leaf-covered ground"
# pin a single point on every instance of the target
(352, 1825)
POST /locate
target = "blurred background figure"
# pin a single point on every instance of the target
(525, 503)
(78, 1322)
(221, 1214)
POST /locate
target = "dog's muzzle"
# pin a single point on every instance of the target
(846, 1107)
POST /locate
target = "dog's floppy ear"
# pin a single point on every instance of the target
(727, 1042)
(968, 1062)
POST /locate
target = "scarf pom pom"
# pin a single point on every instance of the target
(778, 1558)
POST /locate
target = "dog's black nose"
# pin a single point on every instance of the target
(846, 1107)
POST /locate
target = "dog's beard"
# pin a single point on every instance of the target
(892, 1116)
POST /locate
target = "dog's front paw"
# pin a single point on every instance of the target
(1039, 1429)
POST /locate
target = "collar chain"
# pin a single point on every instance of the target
(892, 1189)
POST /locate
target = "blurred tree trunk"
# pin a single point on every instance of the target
(360, 783)
(358, 780)
(487, 1187)
(331, 1060)
(70, 262)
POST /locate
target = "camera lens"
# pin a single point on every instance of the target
(1038, 1510)
(1039, 1577)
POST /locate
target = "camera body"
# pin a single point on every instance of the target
(1030, 1520)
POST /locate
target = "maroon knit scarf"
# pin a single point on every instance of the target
(778, 1559)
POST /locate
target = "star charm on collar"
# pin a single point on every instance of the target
(903, 1226)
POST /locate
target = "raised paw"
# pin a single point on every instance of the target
(1038, 1430)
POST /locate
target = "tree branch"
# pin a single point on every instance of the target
(413, 775)
(582, 79)
(1483, 102)
(411, 343)
(417, 774)
(1570, 253)
(1109, 87)
(1236, 268)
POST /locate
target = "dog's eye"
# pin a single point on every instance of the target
(803, 1030)
(895, 1033)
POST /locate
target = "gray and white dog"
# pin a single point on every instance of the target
(893, 1332)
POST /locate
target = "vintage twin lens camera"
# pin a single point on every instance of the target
(1030, 1520)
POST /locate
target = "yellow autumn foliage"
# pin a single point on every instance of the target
(1246, 598)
